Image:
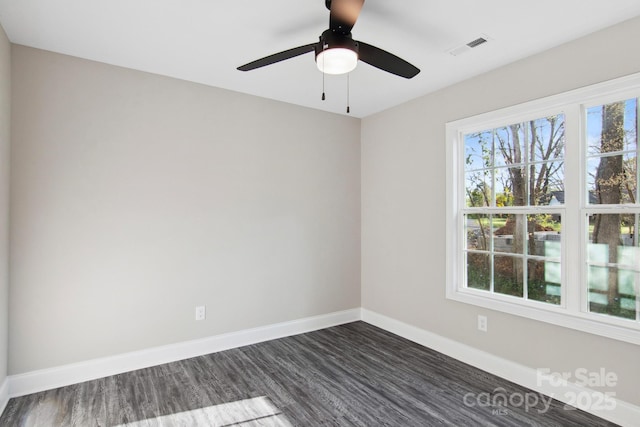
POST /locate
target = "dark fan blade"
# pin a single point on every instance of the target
(344, 14)
(386, 61)
(277, 57)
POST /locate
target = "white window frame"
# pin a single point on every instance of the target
(573, 311)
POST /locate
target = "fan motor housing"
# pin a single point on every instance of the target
(330, 40)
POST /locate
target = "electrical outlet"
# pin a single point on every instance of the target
(482, 323)
(201, 312)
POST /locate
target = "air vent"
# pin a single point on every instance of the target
(456, 51)
(477, 42)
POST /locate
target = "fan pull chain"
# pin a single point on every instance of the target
(348, 109)
(323, 97)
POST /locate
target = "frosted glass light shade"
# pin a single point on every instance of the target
(337, 60)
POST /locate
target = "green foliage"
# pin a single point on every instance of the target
(479, 277)
(504, 199)
(612, 310)
(547, 221)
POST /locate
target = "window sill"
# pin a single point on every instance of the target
(555, 315)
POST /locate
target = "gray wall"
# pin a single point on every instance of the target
(137, 197)
(403, 210)
(5, 136)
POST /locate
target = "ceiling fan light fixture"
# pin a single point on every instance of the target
(336, 50)
(337, 60)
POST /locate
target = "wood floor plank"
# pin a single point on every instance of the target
(349, 375)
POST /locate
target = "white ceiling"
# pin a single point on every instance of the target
(205, 40)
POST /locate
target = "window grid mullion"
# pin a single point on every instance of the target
(491, 257)
(493, 182)
(572, 224)
(637, 150)
(525, 259)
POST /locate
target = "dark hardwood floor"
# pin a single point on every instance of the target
(350, 375)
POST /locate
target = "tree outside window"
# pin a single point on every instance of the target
(613, 254)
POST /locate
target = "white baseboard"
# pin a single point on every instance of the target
(46, 379)
(4, 394)
(624, 414)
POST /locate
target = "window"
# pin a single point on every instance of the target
(543, 201)
(613, 261)
(514, 193)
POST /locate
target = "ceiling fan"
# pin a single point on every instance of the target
(336, 51)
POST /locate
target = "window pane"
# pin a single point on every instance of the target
(612, 127)
(478, 231)
(609, 231)
(511, 186)
(508, 233)
(479, 271)
(544, 240)
(612, 179)
(543, 235)
(527, 162)
(508, 274)
(477, 150)
(478, 188)
(547, 184)
(509, 145)
(614, 264)
(611, 291)
(546, 138)
(592, 169)
(544, 281)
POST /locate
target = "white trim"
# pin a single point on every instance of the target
(46, 379)
(4, 394)
(608, 91)
(601, 325)
(624, 413)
